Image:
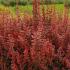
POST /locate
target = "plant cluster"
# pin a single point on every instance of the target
(38, 42)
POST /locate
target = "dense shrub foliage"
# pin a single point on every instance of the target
(13, 2)
(24, 2)
(38, 42)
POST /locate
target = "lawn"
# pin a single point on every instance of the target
(59, 8)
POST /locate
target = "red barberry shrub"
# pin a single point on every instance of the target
(37, 42)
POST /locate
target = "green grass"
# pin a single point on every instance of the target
(59, 8)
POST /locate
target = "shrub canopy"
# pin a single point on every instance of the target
(25, 2)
